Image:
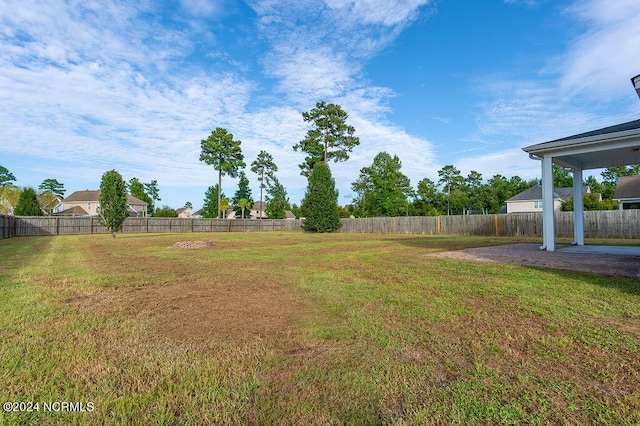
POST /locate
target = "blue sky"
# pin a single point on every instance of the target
(134, 86)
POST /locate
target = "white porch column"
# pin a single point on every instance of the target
(578, 208)
(548, 228)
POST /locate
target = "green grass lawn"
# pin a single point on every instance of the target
(292, 328)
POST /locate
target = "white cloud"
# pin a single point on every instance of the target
(602, 60)
(584, 88)
(510, 162)
(90, 86)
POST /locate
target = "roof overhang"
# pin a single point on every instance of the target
(607, 147)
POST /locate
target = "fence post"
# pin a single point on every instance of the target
(496, 219)
(438, 225)
(192, 225)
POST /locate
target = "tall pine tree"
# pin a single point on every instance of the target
(224, 154)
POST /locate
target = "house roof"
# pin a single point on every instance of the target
(259, 205)
(535, 193)
(183, 209)
(289, 214)
(611, 146)
(73, 211)
(94, 196)
(628, 187)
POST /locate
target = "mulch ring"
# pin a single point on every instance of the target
(189, 245)
(530, 255)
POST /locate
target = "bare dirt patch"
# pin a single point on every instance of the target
(191, 299)
(192, 244)
(529, 255)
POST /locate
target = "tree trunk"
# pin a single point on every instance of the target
(261, 186)
(219, 190)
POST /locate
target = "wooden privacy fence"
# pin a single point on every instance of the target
(11, 226)
(597, 224)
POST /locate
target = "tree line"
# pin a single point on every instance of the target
(381, 189)
(329, 138)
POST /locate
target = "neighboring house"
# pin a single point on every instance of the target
(628, 192)
(50, 204)
(258, 210)
(530, 200)
(86, 203)
(185, 212)
(255, 211)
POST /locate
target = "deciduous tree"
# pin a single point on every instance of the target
(224, 154)
(165, 211)
(388, 187)
(9, 196)
(138, 190)
(330, 138)
(113, 201)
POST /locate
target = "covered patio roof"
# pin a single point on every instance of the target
(607, 147)
(611, 146)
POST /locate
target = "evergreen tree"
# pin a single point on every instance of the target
(320, 204)
(52, 186)
(330, 138)
(451, 180)
(151, 189)
(210, 208)
(224, 154)
(243, 193)
(113, 201)
(6, 177)
(276, 199)
(264, 166)
(28, 204)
